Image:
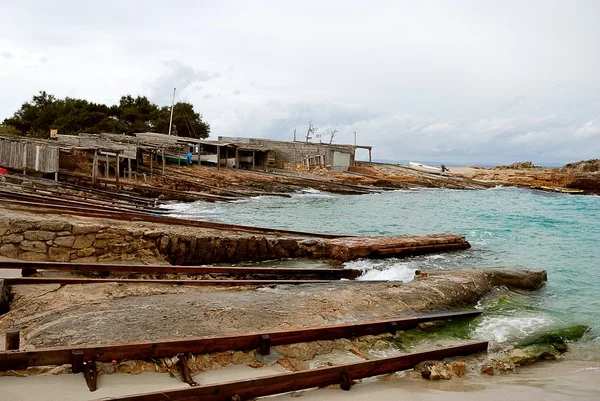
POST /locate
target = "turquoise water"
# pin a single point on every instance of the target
(505, 226)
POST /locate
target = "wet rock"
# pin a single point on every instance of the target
(459, 368)
(488, 369)
(434, 370)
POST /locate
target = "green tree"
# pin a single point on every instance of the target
(186, 122)
(9, 130)
(132, 114)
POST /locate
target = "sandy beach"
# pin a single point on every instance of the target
(549, 381)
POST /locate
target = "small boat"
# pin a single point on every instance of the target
(173, 159)
(429, 169)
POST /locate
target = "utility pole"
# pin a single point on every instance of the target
(294, 134)
(172, 107)
(355, 138)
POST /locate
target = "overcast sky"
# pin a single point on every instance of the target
(450, 81)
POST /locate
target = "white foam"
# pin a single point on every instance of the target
(383, 270)
(312, 193)
(502, 329)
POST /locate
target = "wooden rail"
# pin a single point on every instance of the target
(282, 383)
(202, 345)
(322, 273)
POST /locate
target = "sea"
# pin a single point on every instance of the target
(507, 227)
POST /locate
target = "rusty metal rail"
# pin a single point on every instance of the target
(226, 283)
(320, 273)
(263, 341)
(341, 374)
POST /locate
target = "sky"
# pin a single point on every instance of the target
(451, 81)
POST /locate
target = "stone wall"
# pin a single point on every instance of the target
(62, 240)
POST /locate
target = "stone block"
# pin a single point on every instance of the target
(9, 251)
(100, 243)
(67, 242)
(39, 235)
(12, 239)
(84, 253)
(33, 246)
(59, 254)
(81, 242)
(33, 256)
(63, 233)
(21, 226)
(86, 229)
(54, 225)
(107, 236)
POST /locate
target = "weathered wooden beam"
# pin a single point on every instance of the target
(204, 345)
(282, 383)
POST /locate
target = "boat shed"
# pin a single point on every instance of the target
(29, 154)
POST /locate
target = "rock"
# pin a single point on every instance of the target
(86, 229)
(39, 235)
(84, 253)
(100, 243)
(66, 242)
(488, 369)
(33, 246)
(82, 242)
(107, 236)
(12, 239)
(33, 256)
(431, 326)
(459, 368)
(63, 233)
(164, 244)
(557, 338)
(9, 251)
(59, 254)
(54, 225)
(21, 226)
(434, 370)
(521, 165)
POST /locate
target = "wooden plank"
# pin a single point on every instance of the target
(189, 270)
(282, 383)
(204, 345)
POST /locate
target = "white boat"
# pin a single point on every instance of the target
(429, 169)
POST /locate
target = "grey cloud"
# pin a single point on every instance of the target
(5, 54)
(180, 76)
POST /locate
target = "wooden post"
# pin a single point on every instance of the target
(129, 167)
(25, 160)
(12, 340)
(179, 155)
(226, 156)
(56, 176)
(151, 156)
(117, 170)
(253, 159)
(237, 158)
(106, 173)
(164, 161)
(199, 151)
(218, 157)
(4, 298)
(95, 168)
